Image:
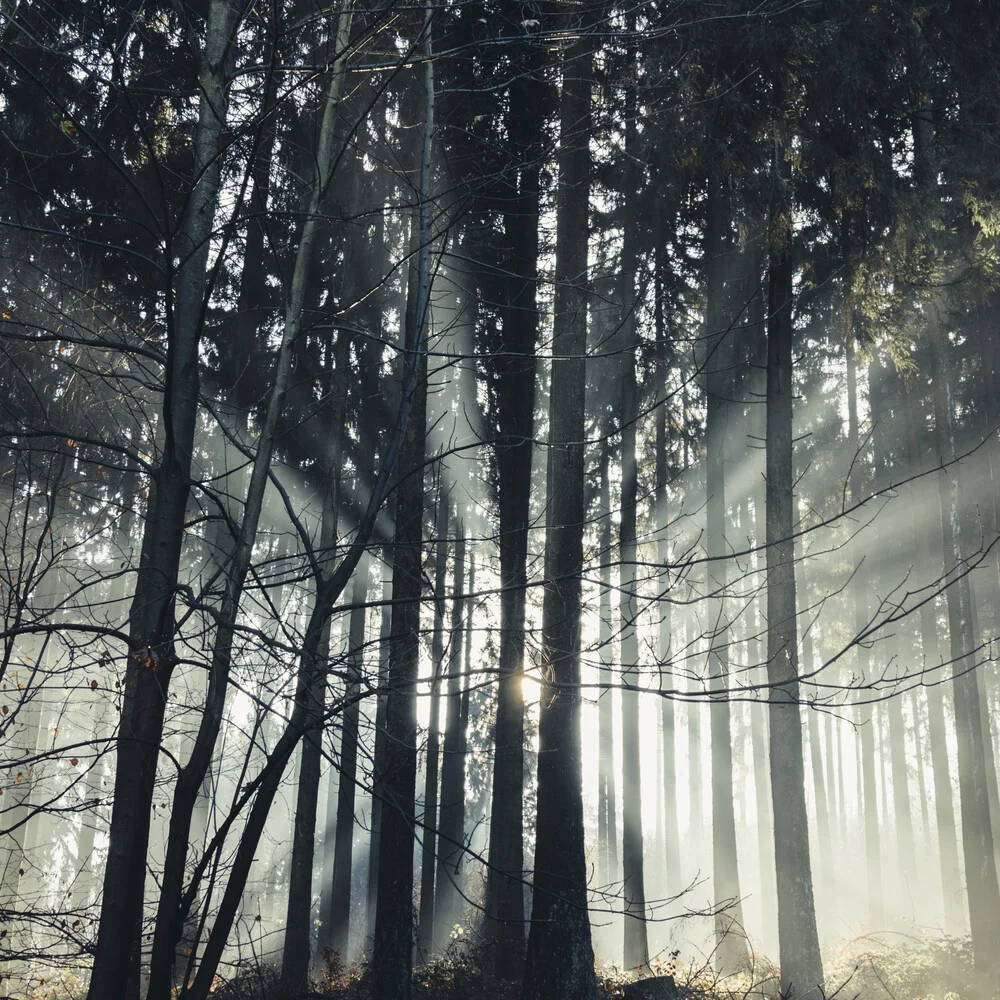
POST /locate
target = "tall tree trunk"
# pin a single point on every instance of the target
(392, 953)
(560, 959)
(730, 937)
(428, 851)
(759, 734)
(815, 751)
(798, 941)
(338, 917)
(633, 876)
(977, 832)
(152, 656)
(378, 755)
(607, 796)
(448, 902)
(869, 787)
(463, 720)
(930, 644)
(515, 415)
(899, 769)
(671, 834)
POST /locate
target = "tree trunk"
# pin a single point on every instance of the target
(515, 416)
(671, 834)
(339, 915)
(633, 876)
(152, 656)
(378, 756)
(798, 941)
(815, 750)
(730, 938)
(977, 832)
(298, 919)
(448, 902)
(428, 852)
(759, 733)
(607, 796)
(905, 849)
(560, 960)
(870, 813)
(392, 952)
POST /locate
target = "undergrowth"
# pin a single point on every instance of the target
(871, 967)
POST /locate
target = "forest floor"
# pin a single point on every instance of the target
(872, 967)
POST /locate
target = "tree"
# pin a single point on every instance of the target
(560, 957)
(798, 940)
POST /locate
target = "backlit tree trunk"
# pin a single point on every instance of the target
(798, 941)
(560, 960)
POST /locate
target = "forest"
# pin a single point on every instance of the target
(499, 498)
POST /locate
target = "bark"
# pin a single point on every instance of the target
(759, 733)
(560, 958)
(633, 876)
(152, 656)
(338, 917)
(731, 952)
(944, 807)
(378, 758)
(868, 790)
(392, 953)
(823, 837)
(798, 941)
(696, 824)
(515, 416)
(428, 852)
(463, 717)
(607, 801)
(448, 902)
(977, 832)
(671, 833)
